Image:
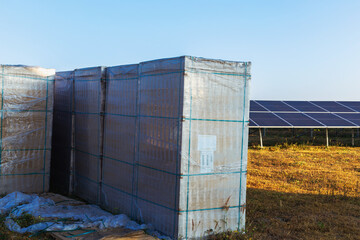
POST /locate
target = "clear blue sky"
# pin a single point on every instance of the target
(300, 50)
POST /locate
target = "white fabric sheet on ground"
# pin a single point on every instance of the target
(84, 216)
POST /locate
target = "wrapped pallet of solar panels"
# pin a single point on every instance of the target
(184, 168)
(63, 140)
(120, 139)
(89, 94)
(26, 128)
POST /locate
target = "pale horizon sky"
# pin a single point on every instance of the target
(300, 50)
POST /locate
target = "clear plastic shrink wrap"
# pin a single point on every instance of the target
(89, 93)
(165, 142)
(26, 128)
(120, 139)
(175, 144)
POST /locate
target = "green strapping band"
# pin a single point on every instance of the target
(35, 149)
(215, 120)
(89, 113)
(24, 174)
(160, 170)
(81, 234)
(94, 155)
(168, 208)
(210, 209)
(171, 173)
(188, 166)
(163, 117)
(28, 77)
(242, 147)
(120, 79)
(219, 73)
(166, 73)
(118, 160)
(184, 71)
(86, 178)
(24, 110)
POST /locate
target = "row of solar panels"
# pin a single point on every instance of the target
(304, 114)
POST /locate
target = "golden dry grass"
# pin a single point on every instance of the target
(305, 169)
(302, 192)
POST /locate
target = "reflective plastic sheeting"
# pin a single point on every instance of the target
(89, 93)
(165, 142)
(120, 131)
(26, 127)
(213, 146)
(175, 144)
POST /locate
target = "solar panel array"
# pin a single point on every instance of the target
(304, 114)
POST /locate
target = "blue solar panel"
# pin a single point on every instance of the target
(304, 106)
(353, 117)
(304, 114)
(299, 119)
(276, 106)
(252, 124)
(330, 120)
(267, 119)
(256, 107)
(352, 105)
(332, 106)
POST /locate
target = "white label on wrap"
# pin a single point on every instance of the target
(206, 161)
(206, 142)
(207, 147)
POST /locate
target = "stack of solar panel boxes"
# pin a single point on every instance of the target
(165, 142)
(26, 128)
(175, 144)
(89, 96)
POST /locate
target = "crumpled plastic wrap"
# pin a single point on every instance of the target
(83, 216)
(26, 127)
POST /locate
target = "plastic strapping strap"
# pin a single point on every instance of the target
(43, 230)
(81, 234)
(188, 164)
(28, 77)
(242, 147)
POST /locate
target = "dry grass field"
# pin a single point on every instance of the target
(302, 192)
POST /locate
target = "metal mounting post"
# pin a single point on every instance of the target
(352, 137)
(261, 140)
(327, 137)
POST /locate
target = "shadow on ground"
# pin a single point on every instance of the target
(277, 215)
